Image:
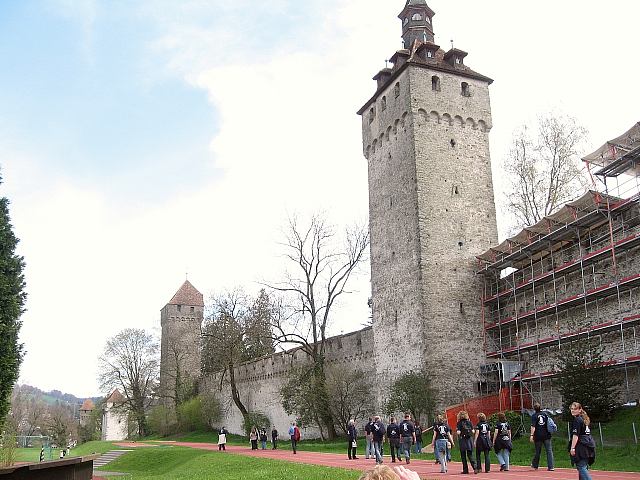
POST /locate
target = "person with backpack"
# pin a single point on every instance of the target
(582, 448)
(465, 431)
(483, 443)
(418, 429)
(378, 432)
(294, 434)
(442, 441)
(502, 441)
(393, 435)
(541, 435)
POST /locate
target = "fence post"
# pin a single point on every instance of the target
(635, 435)
(601, 440)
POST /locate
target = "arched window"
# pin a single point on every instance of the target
(372, 114)
(396, 89)
(406, 20)
(384, 103)
(435, 83)
(465, 90)
(416, 17)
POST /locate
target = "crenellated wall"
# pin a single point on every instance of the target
(259, 382)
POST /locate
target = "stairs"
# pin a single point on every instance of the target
(105, 458)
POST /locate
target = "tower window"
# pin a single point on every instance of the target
(179, 308)
(435, 83)
(416, 17)
(384, 103)
(406, 20)
(372, 114)
(396, 89)
(192, 309)
(465, 90)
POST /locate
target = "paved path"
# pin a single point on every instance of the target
(426, 468)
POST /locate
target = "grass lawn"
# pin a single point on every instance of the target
(33, 454)
(181, 463)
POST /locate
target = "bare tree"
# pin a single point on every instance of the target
(320, 271)
(130, 363)
(544, 168)
(236, 331)
(350, 395)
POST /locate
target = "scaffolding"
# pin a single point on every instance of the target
(573, 275)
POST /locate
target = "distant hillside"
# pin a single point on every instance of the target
(53, 396)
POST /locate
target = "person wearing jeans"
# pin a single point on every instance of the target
(502, 441)
(583, 448)
(368, 451)
(540, 436)
(441, 438)
(378, 432)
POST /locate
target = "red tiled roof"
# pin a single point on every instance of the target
(87, 405)
(187, 295)
(116, 397)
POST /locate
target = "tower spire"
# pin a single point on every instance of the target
(417, 22)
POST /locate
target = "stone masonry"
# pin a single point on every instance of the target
(425, 137)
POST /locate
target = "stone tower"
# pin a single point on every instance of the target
(181, 321)
(431, 206)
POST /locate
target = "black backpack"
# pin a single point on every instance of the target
(466, 429)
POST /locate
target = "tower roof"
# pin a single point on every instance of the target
(115, 397)
(87, 405)
(187, 295)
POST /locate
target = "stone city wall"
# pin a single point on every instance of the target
(259, 382)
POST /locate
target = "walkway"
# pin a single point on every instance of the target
(426, 469)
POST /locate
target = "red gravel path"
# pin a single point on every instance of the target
(426, 469)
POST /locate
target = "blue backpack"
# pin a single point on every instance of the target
(551, 425)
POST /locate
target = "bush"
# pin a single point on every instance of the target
(190, 415)
(211, 409)
(9, 445)
(255, 419)
(162, 421)
(514, 419)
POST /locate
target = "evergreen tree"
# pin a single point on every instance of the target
(12, 299)
(583, 378)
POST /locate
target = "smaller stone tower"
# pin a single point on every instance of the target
(181, 321)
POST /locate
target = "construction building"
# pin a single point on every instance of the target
(573, 275)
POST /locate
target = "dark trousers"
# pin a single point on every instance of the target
(467, 454)
(294, 444)
(254, 444)
(549, 449)
(274, 442)
(221, 446)
(351, 451)
(487, 459)
(394, 445)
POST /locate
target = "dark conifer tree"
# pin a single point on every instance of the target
(12, 299)
(584, 378)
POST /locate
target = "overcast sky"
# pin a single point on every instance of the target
(140, 140)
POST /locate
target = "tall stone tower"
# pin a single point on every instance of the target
(431, 205)
(181, 321)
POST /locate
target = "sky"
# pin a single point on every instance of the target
(141, 141)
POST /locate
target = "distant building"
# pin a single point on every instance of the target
(115, 420)
(86, 409)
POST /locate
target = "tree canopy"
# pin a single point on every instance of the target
(12, 300)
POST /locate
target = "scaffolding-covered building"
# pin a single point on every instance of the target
(573, 275)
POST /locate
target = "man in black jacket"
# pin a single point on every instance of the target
(393, 434)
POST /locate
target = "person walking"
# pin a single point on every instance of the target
(222, 439)
(442, 442)
(393, 435)
(263, 438)
(378, 432)
(408, 433)
(465, 431)
(294, 434)
(540, 436)
(274, 438)
(352, 434)
(253, 437)
(418, 431)
(582, 449)
(483, 443)
(368, 433)
(502, 441)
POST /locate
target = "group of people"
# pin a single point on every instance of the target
(478, 439)
(260, 434)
